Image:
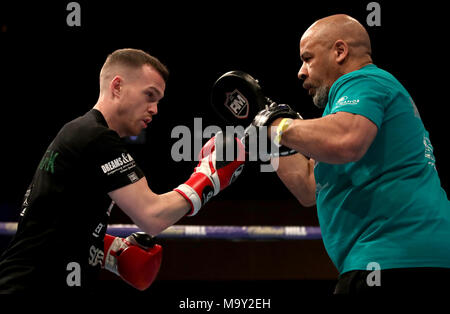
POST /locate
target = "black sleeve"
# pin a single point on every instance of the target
(113, 167)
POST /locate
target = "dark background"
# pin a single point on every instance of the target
(49, 76)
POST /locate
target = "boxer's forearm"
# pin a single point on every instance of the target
(297, 174)
(151, 212)
(167, 210)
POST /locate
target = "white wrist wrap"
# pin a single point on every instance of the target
(191, 196)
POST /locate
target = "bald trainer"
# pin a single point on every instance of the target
(369, 167)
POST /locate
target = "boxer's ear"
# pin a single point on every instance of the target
(115, 85)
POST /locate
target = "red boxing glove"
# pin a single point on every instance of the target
(214, 172)
(135, 259)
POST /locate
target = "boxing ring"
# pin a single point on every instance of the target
(207, 232)
(212, 260)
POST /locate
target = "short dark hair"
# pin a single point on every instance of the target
(136, 58)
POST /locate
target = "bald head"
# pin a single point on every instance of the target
(330, 29)
(329, 48)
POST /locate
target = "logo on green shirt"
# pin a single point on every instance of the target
(345, 101)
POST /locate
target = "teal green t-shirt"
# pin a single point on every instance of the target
(389, 206)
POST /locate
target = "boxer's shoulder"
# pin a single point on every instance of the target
(85, 131)
(91, 122)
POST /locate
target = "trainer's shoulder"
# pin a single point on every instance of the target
(369, 78)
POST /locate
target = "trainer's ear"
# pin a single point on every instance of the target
(340, 50)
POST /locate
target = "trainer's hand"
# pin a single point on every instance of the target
(261, 126)
(135, 259)
(239, 99)
(214, 172)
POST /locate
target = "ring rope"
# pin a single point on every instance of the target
(208, 232)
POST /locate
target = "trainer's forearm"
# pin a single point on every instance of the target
(297, 174)
(324, 139)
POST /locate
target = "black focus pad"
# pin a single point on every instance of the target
(237, 97)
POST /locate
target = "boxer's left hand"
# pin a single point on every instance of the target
(214, 172)
(135, 259)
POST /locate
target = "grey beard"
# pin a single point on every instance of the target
(320, 99)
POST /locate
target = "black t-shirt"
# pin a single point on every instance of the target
(59, 241)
